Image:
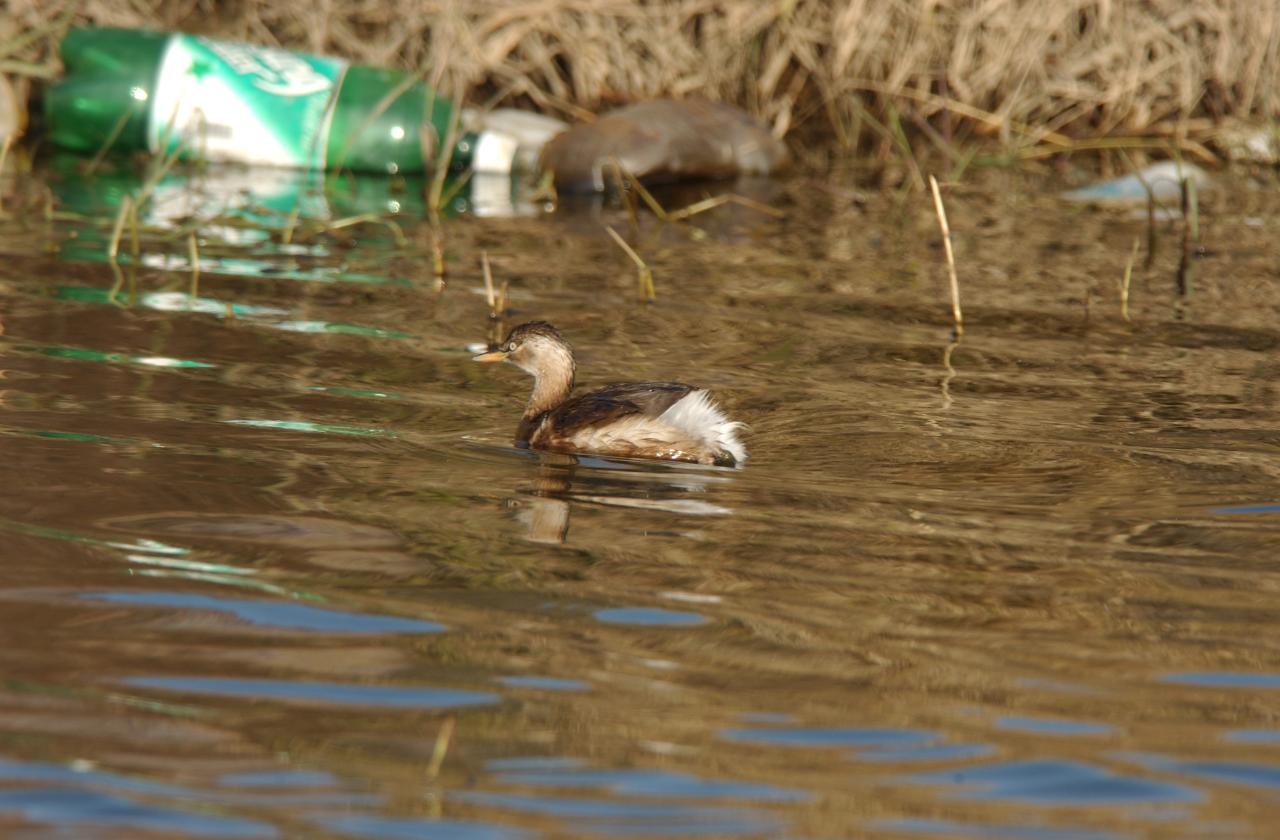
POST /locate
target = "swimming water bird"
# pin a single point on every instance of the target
(665, 420)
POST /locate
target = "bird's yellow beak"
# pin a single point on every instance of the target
(490, 357)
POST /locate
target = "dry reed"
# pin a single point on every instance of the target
(117, 230)
(1190, 236)
(643, 272)
(957, 319)
(443, 738)
(397, 232)
(193, 256)
(1038, 75)
(497, 301)
(489, 294)
(1126, 278)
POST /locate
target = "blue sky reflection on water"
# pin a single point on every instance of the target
(338, 694)
(285, 615)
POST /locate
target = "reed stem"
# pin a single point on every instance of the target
(1124, 281)
(642, 268)
(193, 254)
(951, 257)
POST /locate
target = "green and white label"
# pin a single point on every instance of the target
(235, 102)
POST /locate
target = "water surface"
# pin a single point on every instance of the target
(273, 569)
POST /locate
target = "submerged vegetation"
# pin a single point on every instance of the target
(1031, 77)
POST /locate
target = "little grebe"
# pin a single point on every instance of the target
(667, 420)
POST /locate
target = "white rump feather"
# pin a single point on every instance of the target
(699, 416)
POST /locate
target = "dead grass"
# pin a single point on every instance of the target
(1025, 73)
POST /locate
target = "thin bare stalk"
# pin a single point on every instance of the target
(642, 268)
(435, 192)
(1190, 235)
(1124, 281)
(165, 164)
(1097, 144)
(628, 197)
(1193, 209)
(291, 223)
(113, 244)
(951, 257)
(135, 243)
(488, 280)
(112, 137)
(489, 294)
(379, 108)
(545, 189)
(725, 198)
(447, 196)
(443, 738)
(437, 254)
(193, 254)
(443, 154)
(644, 194)
(397, 232)
(697, 207)
(904, 147)
(119, 282)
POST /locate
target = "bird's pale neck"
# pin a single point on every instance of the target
(552, 380)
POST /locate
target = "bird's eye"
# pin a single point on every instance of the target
(511, 346)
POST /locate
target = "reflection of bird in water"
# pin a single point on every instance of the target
(665, 420)
(543, 507)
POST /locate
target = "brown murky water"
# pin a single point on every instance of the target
(271, 568)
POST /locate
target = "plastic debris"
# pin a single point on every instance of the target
(207, 99)
(529, 130)
(663, 140)
(1159, 181)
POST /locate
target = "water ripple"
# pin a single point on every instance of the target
(274, 613)
(1055, 782)
(341, 694)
